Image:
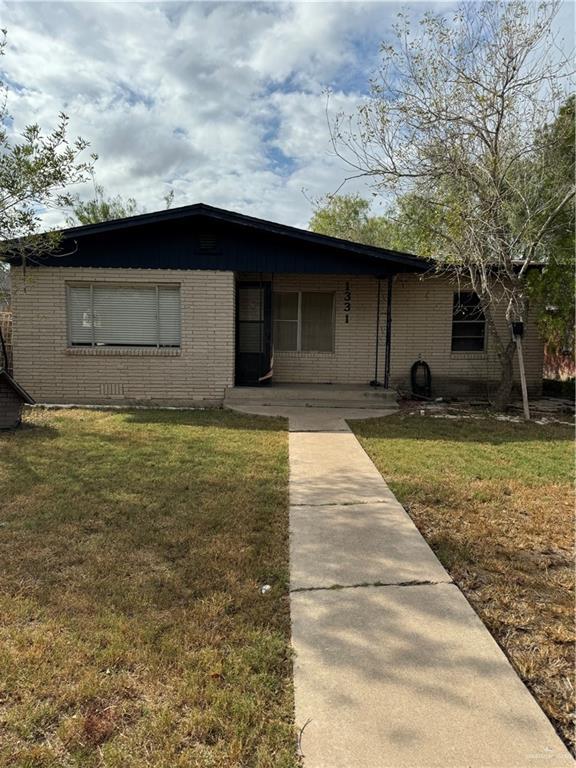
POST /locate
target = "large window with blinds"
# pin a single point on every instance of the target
(468, 323)
(123, 315)
(303, 321)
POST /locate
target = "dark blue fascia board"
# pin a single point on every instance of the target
(154, 242)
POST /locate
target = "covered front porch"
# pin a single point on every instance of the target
(313, 337)
(318, 313)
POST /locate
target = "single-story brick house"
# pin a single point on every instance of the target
(177, 307)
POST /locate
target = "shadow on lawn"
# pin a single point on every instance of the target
(138, 517)
(217, 418)
(28, 431)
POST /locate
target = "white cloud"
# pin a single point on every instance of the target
(202, 97)
(221, 101)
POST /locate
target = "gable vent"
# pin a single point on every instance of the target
(207, 243)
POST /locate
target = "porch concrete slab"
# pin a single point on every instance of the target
(409, 677)
(307, 419)
(358, 544)
(332, 468)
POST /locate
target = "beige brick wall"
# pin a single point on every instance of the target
(421, 326)
(198, 373)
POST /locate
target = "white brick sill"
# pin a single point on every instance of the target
(122, 352)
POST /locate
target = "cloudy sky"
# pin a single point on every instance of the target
(222, 102)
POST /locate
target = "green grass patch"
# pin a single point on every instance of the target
(133, 632)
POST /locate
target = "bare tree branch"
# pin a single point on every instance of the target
(456, 124)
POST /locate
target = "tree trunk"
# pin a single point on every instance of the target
(504, 391)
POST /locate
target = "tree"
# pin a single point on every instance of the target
(101, 208)
(454, 129)
(35, 173)
(348, 217)
(553, 287)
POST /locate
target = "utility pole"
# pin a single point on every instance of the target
(518, 332)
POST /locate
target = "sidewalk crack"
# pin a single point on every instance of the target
(414, 583)
(341, 503)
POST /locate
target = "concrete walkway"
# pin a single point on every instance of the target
(393, 668)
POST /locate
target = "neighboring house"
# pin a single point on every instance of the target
(173, 308)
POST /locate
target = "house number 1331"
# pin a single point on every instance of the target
(347, 302)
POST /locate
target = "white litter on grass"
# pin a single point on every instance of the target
(543, 421)
(453, 416)
(515, 419)
(501, 417)
(265, 588)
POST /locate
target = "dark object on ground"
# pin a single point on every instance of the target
(557, 388)
(12, 398)
(421, 379)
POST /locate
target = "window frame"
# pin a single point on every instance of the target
(96, 284)
(456, 301)
(298, 322)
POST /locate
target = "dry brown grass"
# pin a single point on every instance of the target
(496, 502)
(133, 633)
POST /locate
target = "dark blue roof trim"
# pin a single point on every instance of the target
(203, 237)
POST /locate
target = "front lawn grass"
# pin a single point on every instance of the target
(495, 501)
(133, 632)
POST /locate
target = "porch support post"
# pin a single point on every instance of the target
(375, 382)
(388, 346)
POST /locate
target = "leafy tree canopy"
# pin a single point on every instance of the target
(553, 288)
(348, 217)
(101, 208)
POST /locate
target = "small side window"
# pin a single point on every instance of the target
(468, 323)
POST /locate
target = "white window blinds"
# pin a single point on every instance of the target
(128, 316)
